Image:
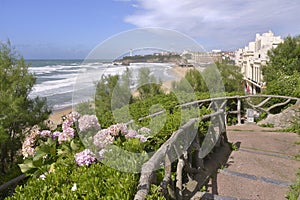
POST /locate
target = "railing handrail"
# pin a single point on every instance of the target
(160, 155)
(235, 97)
(12, 182)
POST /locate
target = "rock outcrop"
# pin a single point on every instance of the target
(285, 118)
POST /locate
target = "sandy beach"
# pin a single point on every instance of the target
(179, 73)
(56, 116)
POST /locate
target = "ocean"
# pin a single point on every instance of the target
(68, 82)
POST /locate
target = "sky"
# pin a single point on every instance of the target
(70, 29)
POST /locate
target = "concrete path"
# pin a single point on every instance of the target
(262, 168)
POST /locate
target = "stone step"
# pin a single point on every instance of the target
(262, 168)
(250, 187)
(271, 166)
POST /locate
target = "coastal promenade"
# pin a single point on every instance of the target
(262, 168)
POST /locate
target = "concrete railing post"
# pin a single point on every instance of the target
(239, 111)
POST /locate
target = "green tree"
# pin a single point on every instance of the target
(103, 98)
(112, 92)
(17, 110)
(282, 72)
(193, 81)
(231, 76)
(217, 78)
(148, 85)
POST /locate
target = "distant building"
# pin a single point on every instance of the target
(202, 58)
(253, 57)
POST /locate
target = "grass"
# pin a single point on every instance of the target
(294, 192)
(269, 125)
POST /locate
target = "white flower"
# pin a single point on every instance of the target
(74, 188)
(42, 177)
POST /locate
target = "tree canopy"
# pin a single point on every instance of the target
(216, 78)
(17, 110)
(282, 72)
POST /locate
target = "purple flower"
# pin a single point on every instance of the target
(87, 122)
(103, 138)
(144, 130)
(55, 135)
(134, 134)
(117, 129)
(45, 133)
(123, 128)
(69, 132)
(131, 134)
(86, 157)
(73, 116)
(114, 130)
(28, 151)
(101, 154)
(67, 123)
(141, 137)
(63, 137)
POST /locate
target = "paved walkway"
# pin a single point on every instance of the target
(262, 168)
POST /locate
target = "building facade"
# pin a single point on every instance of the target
(251, 59)
(202, 58)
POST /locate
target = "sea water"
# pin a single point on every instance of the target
(65, 82)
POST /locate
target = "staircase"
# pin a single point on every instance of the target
(262, 168)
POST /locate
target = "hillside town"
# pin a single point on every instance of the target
(250, 59)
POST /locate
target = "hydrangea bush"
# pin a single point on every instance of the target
(42, 148)
(63, 167)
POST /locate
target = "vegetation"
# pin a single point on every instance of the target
(52, 167)
(17, 110)
(56, 175)
(294, 192)
(231, 77)
(282, 73)
(150, 58)
(225, 77)
(52, 160)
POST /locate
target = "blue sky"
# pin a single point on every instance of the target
(43, 29)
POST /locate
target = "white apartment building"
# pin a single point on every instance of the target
(253, 57)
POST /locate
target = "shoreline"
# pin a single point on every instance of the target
(177, 71)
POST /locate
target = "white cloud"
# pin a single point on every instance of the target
(219, 23)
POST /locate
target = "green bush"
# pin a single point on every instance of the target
(69, 181)
(294, 191)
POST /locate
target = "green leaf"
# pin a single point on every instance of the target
(28, 165)
(74, 146)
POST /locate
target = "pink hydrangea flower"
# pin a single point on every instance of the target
(67, 123)
(55, 135)
(69, 132)
(123, 128)
(63, 137)
(86, 157)
(131, 134)
(45, 133)
(101, 154)
(142, 138)
(103, 138)
(73, 116)
(87, 122)
(144, 130)
(113, 130)
(27, 147)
